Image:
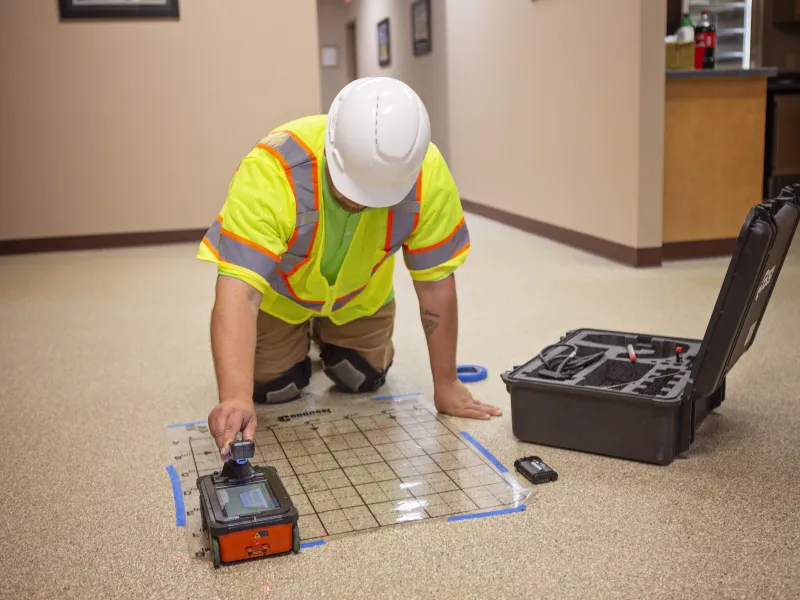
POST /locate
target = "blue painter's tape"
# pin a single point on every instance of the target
(485, 452)
(187, 424)
(312, 544)
(489, 513)
(471, 373)
(177, 493)
(393, 396)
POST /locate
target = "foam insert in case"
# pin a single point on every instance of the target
(648, 409)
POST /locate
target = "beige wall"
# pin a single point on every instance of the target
(426, 74)
(552, 103)
(137, 126)
(652, 99)
(333, 17)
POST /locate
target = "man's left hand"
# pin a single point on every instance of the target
(455, 399)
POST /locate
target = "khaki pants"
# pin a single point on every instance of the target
(281, 345)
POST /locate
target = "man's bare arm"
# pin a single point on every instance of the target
(438, 306)
(233, 343)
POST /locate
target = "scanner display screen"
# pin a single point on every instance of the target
(248, 499)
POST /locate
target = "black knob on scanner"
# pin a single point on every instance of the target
(238, 466)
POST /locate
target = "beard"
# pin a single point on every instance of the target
(346, 204)
(350, 207)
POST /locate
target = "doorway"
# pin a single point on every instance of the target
(351, 61)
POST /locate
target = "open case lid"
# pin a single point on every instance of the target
(764, 240)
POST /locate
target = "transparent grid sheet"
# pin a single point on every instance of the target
(353, 465)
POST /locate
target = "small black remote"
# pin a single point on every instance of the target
(535, 470)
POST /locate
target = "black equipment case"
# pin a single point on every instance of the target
(590, 393)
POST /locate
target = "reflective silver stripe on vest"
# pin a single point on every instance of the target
(278, 284)
(403, 218)
(408, 205)
(298, 251)
(306, 219)
(301, 170)
(290, 261)
(303, 177)
(236, 253)
(345, 299)
(428, 259)
(213, 233)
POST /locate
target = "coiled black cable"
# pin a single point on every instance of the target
(570, 364)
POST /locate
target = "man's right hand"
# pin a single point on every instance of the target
(230, 417)
(233, 344)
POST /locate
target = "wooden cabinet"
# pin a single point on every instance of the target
(728, 165)
(785, 11)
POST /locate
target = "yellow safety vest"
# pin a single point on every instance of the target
(270, 232)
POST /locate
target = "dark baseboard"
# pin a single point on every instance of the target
(698, 249)
(97, 242)
(636, 257)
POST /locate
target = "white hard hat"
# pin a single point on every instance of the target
(377, 135)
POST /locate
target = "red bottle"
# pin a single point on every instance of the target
(705, 40)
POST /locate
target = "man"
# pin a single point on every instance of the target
(305, 246)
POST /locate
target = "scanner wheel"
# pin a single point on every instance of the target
(215, 558)
(296, 539)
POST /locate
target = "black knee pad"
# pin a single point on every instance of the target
(350, 371)
(286, 387)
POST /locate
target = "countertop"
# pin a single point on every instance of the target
(720, 73)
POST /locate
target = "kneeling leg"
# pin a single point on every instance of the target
(358, 355)
(350, 371)
(281, 367)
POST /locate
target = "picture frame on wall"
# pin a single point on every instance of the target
(421, 27)
(384, 43)
(329, 56)
(118, 9)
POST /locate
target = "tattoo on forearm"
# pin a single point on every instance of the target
(430, 321)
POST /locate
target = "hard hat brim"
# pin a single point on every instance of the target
(382, 197)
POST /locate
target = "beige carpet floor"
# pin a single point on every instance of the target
(100, 350)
